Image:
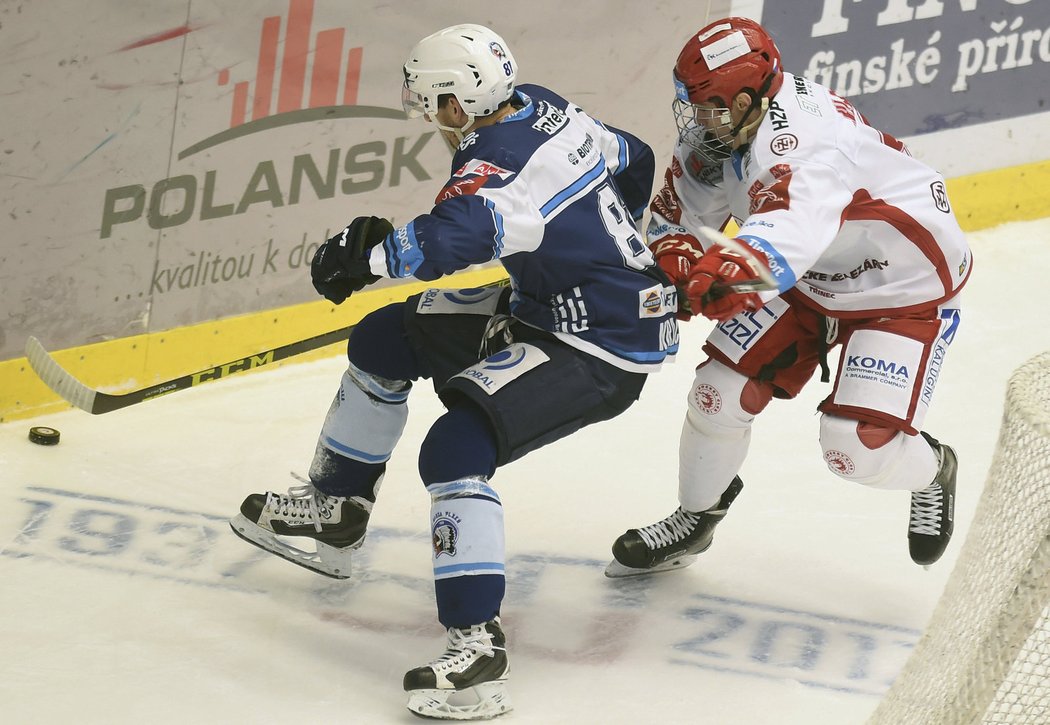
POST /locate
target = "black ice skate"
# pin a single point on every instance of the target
(468, 682)
(933, 510)
(335, 525)
(673, 543)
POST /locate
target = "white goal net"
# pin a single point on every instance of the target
(985, 656)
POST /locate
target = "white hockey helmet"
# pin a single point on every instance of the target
(468, 61)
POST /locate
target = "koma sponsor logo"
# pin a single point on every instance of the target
(878, 365)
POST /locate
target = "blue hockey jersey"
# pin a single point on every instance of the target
(553, 195)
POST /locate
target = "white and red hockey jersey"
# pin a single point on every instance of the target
(842, 212)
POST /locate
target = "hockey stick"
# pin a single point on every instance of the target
(95, 401)
(764, 279)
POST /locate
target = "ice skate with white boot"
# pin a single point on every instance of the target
(306, 527)
(467, 682)
(673, 543)
(932, 515)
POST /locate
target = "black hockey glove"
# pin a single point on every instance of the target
(340, 266)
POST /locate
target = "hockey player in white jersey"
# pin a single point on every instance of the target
(554, 195)
(864, 252)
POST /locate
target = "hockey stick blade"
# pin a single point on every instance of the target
(56, 377)
(764, 279)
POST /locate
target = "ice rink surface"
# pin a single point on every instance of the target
(125, 598)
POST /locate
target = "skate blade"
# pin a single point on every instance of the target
(327, 560)
(616, 570)
(481, 702)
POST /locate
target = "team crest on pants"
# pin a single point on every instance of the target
(839, 462)
(445, 535)
(707, 398)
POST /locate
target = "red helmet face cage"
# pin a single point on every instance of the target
(725, 58)
(722, 60)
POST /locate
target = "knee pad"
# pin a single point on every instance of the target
(466, 526)
(723, 403)
(876, 455)
(716, 433)
(367, 416)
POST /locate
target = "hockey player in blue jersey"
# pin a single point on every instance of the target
(554, 195)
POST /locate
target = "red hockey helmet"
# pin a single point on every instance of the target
(722, 60)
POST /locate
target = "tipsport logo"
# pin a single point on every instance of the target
(300, 78)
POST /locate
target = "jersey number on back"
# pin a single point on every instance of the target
(621, 228)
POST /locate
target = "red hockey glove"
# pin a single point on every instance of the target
(676, 256)
(710, 286)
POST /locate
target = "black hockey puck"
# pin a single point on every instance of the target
(44, 436)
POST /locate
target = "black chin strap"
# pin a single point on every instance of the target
(756, 101)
